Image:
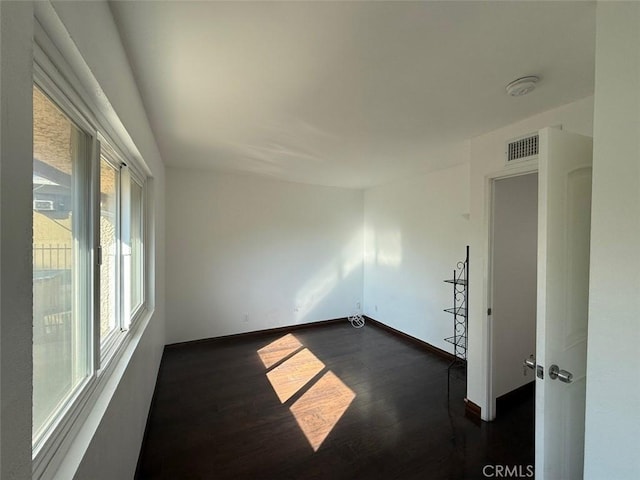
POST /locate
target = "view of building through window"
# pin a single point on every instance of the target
(109, 176)
(60, 333)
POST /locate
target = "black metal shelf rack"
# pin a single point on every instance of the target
(460, 282)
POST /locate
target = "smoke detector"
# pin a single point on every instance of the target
(522, 86)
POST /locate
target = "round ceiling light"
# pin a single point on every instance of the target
(522, 86)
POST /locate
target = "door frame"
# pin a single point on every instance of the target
(517, 170)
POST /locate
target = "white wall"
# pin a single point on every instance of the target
(108, 443)
(16, 160)
(416, 231)
(487, 158)
(514, 257)
(248, 253)
(612, 440)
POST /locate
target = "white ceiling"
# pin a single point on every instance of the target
(349, 94)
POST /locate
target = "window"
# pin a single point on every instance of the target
(88, 257)
(61, 257)
(109, 248)
(121, 246)
(136, 244)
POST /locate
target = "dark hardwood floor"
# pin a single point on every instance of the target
(327, 402)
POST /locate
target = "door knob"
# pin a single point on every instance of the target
(562, 375)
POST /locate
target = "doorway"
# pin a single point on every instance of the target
(513, 283)
(564, 169)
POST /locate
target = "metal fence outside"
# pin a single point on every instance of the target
(52, 288)
(52, 257)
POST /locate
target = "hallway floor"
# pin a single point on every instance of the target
(326, 402)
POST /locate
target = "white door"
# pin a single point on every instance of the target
(564, 225)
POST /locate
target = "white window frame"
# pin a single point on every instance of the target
(84, 258)
(70, 108)
(109, 344)
(131, 174)
(125, 318)
(55, 77)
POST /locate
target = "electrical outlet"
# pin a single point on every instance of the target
(358, 305)
(376, 308)
(245, 317)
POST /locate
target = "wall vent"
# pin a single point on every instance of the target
(522, 148)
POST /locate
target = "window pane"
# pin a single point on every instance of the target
(137, 258)
(109, 243)
(60, 316)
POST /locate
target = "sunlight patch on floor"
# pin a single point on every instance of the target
(278, 350)
(293, 374)
(320, 407)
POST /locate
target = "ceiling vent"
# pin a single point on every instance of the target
(522, 148)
